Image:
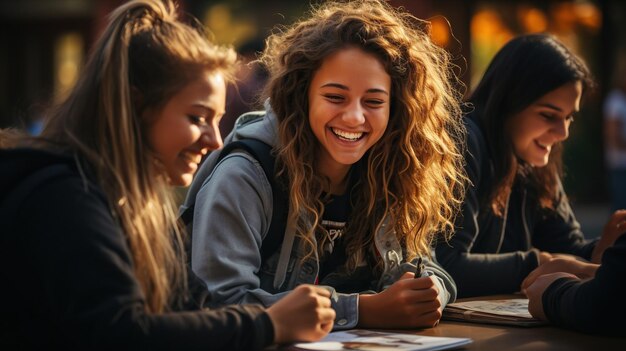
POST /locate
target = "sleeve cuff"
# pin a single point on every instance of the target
(264, 325)
(346, 307)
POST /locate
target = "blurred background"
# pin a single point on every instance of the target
(43, 44)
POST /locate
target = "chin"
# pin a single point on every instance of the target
(539, 164)
(181, 180)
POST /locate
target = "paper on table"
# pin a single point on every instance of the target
(368, 340)
(507, 307)
(503, 311)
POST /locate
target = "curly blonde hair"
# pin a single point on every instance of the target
(414, 173)
(146, 51)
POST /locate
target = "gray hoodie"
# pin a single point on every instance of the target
(232, 215)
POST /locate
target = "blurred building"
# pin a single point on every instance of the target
(44, 43)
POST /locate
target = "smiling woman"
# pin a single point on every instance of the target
(516, 215)
(349, 111)
(186, 128)
(87, 208)
(365, 127)
(544, 123)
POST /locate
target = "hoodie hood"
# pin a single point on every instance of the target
(18, 164)
(260, 125)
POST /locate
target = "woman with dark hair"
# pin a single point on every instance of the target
(516, 214)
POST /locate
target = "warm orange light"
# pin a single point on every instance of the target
(564, 17)
(588, 15)
(440, 31)
(227, 28)
(68, 58)
(532, 19)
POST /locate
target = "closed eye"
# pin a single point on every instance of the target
(334, 98)
(374, 102)
(549, 117)
(197, 120)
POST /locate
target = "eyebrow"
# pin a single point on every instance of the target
(343, 87)
(208, 110)
(548, 105)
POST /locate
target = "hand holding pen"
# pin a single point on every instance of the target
(419, 269)
(407, 303)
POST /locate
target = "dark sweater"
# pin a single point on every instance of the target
(67, 273)
(595, 305)
(491, 254)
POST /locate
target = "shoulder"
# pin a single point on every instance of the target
(477, 157)
(476, 141)
(28, 172)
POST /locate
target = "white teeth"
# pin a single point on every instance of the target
(543, 146)
(191, 157)
(347, 135)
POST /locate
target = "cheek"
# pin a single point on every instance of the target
(382, 122)
(169, 139)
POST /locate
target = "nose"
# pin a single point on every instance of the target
(354, 114)
(561, 129)
(211, 137)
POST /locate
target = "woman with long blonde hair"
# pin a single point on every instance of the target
(86, 209)
(365, 128)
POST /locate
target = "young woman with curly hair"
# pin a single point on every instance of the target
(365, 127)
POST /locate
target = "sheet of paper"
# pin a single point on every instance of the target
(368, 340)
(507, 307)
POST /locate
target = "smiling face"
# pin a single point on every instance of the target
(349, 102)
(186, 127)
(545, 122)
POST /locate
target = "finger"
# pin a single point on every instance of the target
(407, 275)
(425, 306)
(327, 315)
(326, 327)
(421, 283)
(324, 301)
(532, 276)
(429, 319)
(322, 291)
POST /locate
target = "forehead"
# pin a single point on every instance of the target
(353, 66)
(565, 98)
(208, 89)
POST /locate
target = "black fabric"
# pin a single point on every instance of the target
(336, 214)
(68, 276)
(592, 306)
(262, 152)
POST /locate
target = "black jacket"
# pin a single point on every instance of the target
(67, 273)
(595, 305)
(491, 254)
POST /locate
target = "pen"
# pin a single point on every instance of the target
(419, 268)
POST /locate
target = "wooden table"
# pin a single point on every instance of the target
(490, 337)
(499, 337)
(496, 337)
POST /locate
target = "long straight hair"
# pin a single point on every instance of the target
(525, 69)
(145, 55)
